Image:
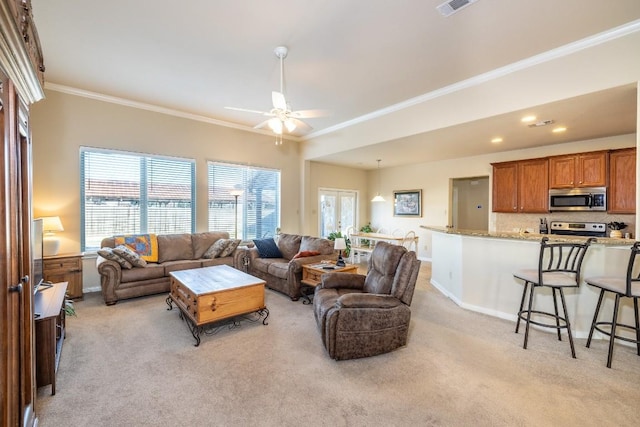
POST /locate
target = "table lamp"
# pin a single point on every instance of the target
(340, 244)
(50, 243)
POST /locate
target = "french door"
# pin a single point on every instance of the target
(337, 210)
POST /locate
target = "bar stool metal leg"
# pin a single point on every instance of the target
(595, 318)
(614, 324)
(528, 321)
(524, 293)
(555, 307)
(635, 306)
(566, 321)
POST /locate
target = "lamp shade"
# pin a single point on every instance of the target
(50, 243)
(340, 243)
(378, 197)
(52, 224)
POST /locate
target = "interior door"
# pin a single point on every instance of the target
(337, 210)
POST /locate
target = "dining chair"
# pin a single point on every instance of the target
(409, 241)
(398, 232)
(357, 249)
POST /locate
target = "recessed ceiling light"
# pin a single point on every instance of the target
(559, 129)
(497, 140)
(527, 119)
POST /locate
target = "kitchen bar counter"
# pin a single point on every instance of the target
(607, 241)
(475, 269)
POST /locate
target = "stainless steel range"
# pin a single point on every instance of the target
(588, 229)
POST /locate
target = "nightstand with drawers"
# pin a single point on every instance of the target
(65, 268)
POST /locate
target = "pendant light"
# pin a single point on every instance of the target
(378, 197)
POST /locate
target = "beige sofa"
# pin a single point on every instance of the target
(175, 252)
(285, 273)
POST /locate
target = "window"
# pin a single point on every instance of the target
(243, 200)
(124, 193)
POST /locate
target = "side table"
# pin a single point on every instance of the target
(65, 268)
(312, 276)
(49, 334)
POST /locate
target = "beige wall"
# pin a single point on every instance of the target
(62, 123)
(322, 175)
(433, 178)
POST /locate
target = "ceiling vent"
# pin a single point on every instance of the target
(541, 123)
(448, 8)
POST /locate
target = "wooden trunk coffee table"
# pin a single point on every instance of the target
(212, 294)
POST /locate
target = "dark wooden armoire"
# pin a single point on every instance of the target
(21, 82)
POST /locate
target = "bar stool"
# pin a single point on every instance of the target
(621, 287)
(559, 266)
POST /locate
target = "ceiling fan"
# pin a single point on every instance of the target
(281, 116)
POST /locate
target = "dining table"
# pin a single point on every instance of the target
(358, 237)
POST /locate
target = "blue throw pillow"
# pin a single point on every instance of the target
(267, 248)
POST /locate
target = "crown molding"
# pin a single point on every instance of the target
(15, 60)
(156, 109)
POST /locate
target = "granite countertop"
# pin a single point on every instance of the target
(607, 241)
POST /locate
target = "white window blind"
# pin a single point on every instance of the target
(125, 193)
(256, 212)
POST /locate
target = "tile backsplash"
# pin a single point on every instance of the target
(512, 222)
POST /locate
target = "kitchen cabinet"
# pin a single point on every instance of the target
(622, 181)
(521, 187)
(578, 170)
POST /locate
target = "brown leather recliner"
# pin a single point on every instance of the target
(361, 316)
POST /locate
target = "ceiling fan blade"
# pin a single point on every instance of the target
(262, 124)
(245, 110)
(300, 125)
(279, 103)
(309, 114)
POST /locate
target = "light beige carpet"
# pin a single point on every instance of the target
(134, 364)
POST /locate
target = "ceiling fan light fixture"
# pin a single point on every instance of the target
(290, 125)
(276, 125)
(282, 118)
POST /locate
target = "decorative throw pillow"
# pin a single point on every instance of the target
(233, 244)
(107, 253)
(131, 256)
(216, 249)
(304, 254)
(146, 245)
(267, 248)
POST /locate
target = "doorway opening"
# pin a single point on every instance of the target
(469, 203)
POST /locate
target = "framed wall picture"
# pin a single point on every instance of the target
(407, 203)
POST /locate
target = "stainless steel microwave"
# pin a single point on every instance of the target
(591, 199)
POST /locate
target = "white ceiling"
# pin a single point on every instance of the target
(350, 57)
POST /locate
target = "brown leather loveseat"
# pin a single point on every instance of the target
(175, 252)
(283, 271)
